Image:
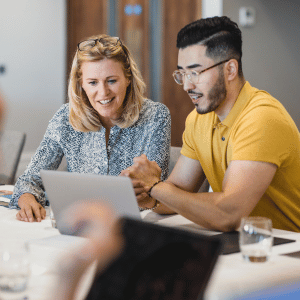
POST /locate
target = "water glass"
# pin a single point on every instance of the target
(256, 239)
(14, 270)
(52, 217)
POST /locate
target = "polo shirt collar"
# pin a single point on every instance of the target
(239, 104)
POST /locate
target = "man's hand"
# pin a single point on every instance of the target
(144, 201)
(143, 173)
(148, 172)
(31, 210)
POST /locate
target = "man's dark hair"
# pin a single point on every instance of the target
(220, 35)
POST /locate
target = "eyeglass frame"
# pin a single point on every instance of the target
(197, 72)
(99, 40)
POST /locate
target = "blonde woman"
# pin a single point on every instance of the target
(106, 123)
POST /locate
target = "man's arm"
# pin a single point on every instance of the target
(186, 175)
(244, 184)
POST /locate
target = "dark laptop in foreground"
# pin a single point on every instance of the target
(158, 262)
(66, 188)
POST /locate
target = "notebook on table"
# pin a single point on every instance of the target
(231, 241)
(6, 192)
(66, 188)
(158, 262)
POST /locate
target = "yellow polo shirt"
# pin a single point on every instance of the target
(257, 128)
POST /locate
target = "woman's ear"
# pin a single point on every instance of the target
(232, 69)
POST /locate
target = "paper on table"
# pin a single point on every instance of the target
(5, 194)
(7, 187)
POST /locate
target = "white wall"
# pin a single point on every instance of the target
(212, 8)
(271, 56)
(33, 50)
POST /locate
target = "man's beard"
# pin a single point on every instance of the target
(216, 96)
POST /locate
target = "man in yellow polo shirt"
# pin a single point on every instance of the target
(240, 138)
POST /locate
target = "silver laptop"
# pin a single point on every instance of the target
(65, 188)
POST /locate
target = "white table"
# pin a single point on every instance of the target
(46, 245)
(231, 279)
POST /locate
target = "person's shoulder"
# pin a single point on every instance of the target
(61, 117)
(265, 106)
(261, 98)
(263, 111)
(60, 128)
(154, 109)
(62, 112)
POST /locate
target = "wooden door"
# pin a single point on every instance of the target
(176, 16)
(134, 31)
(85, 18)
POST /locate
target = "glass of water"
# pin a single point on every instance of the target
(256, 239)
(14, 270)
(52, 217)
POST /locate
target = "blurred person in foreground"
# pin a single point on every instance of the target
(106, 123)
(104, 243)
(2, 111)
(238, 137)
(2, 121)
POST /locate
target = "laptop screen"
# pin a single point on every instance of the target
(158, 263)
(66, 188)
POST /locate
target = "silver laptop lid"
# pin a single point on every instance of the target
(65, 188)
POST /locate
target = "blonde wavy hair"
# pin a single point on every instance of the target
(83, 117)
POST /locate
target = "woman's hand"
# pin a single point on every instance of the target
(31, 210)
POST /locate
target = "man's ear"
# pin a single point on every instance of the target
(232, 69)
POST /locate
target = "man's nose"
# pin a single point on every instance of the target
(187, 85)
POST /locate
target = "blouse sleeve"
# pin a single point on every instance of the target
(48, 156)
(160, 140)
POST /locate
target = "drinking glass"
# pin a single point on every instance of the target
(52, 217)
(14, 270)
(256, 239)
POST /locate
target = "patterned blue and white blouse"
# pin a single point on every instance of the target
(86, 152)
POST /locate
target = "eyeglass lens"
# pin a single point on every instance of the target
(88, 44)
(192, 76)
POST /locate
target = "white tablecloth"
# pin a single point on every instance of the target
(46, 246)
(231, 279)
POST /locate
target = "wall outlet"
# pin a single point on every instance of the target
(247, 16)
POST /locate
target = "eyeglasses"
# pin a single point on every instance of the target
(89, 44)
(193, 76)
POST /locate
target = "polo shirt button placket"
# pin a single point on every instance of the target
(223, 138)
